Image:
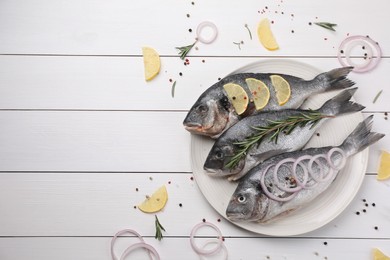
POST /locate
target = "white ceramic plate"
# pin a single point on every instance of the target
(324, 208)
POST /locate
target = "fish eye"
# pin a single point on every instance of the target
(202, 109)
(219, 155)
(241, 199)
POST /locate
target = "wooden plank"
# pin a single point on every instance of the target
(99, 27)
(93, 204)
(108, 141)
(117, 83)
(177, 248)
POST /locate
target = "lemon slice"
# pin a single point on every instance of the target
(237, 96)
(151, 62)
(378, 255)
(384, 166)
(260, 92)
(266, 36)
(156, 202)
(282, 88)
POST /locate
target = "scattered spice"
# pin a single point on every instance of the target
(173, 89)
(193, 3)
(357, 213)
(151, 178)
(135, 207)
(366, 204)
(180, 205)
(190, 30)
(292, 31)
(325, 243)
(169, 182)
(204, 220)
(249, 31)
(329, 26)
(377, 96)
(192, 178)
(203, 61)
(364, 210)
(136, 189)
(318, 134)
(376, 228)
(364, 200)
(219, 220)
(188, 15)
(373, 204)
(159, 227)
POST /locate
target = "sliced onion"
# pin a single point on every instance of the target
(143, 245)
(276, 179)
(343, 158)
(358, 40)
(215, 241)
(201, 26)
(270, 194)
(202, 251)
(133, 232)
(305, 171)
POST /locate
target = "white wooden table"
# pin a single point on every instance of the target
(81, 130)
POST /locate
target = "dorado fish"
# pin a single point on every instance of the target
(213, 112)
(260, 136)
(291, 180)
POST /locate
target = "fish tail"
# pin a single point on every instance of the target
(335, 79)
(341, 104)
(361, 137)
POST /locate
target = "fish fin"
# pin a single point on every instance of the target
(335, 79)
(361, 137)
(341, 104)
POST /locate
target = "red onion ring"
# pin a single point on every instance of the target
(133, 232)
(305, 171)
(215, 241)
(199, 29)
(322, 176)
(202, 251)
(270, 194)
(276, 179)
(143, 245)
(354, 41)
(343, 160)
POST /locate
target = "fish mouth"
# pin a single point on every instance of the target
(235, 216)
(214, 172)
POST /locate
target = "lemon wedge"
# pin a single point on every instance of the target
(237, 96)
(152, 62)
(384, 166)
(282, 88)
(156, 202)
(378, 255)
(266, 36)
(260, 92)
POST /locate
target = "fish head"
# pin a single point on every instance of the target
(248, 202)
(219, 157)
(211, 114)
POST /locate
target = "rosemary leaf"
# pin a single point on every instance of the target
(273, 130)
(173, 89)
(249, 31)
(159, 227)
(328, 26)
(184, 50)
(377, 96)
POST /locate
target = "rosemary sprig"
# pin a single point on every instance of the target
(159, 227)
(328, 26)
(249, 31)
(273, 129)
(377, 96)
(184, 50)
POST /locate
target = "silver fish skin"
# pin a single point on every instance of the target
(213, 112)
(249, 201)
(225, 147)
